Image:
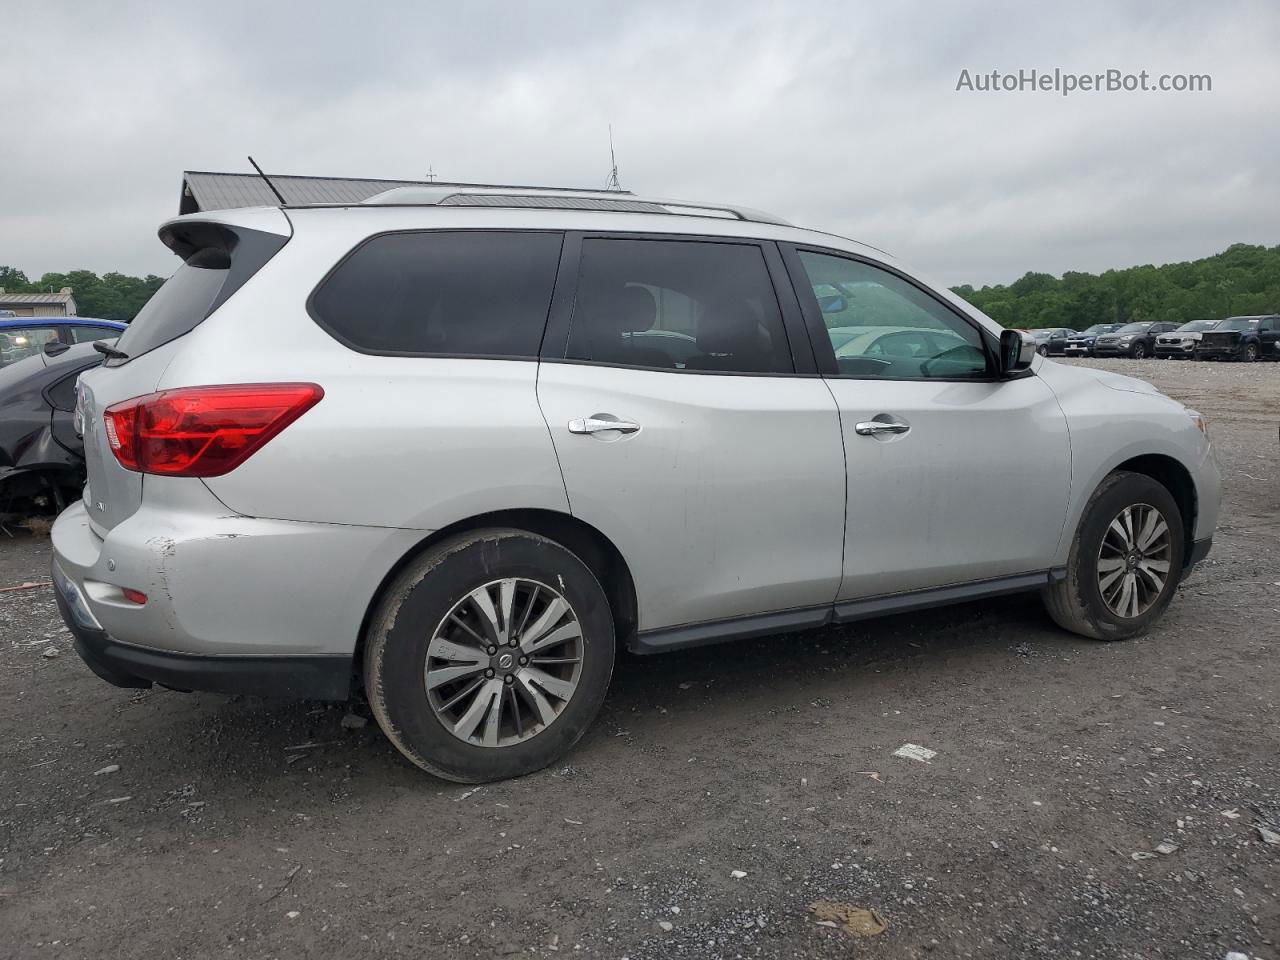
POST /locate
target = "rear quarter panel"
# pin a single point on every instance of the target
(396, 441)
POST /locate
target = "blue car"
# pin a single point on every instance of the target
(25, 336)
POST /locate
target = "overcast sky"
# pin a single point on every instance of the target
(839, 116)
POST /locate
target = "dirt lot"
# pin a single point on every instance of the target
(158, 824)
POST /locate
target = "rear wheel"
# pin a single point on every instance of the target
(1125, 561)
(489, 656)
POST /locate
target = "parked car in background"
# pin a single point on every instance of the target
(22, 337)
(41, 453)
(1050, 341)
(1080, 344)
(1135, 340)
(1181, 343)
(1242, 338)
(484, 463)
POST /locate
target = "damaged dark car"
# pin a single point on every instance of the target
(41, 454)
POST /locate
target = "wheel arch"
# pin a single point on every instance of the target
(1171, 474)
(590, 545)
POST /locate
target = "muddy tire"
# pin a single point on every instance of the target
(489, 655)
(1125, 561)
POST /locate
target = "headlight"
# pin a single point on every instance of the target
(1198, 419)
(1125, 339)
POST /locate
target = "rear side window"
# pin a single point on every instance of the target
(678, 305)
(443, 293)
(62, 395)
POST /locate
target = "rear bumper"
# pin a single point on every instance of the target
(235, 604)
(124, 665)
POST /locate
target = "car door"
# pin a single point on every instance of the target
(722, 483)
(953, 476)
(1269, 337)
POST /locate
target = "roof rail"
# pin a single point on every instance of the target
(552, 198)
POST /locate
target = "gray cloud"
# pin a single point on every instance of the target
(839, 116)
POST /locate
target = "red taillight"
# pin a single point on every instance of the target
(134, 596)
(203, 431)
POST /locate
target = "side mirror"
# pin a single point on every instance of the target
(1017, 350)
(832, 304)
(55, 347)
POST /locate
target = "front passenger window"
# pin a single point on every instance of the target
(879, 325)
(677, 305)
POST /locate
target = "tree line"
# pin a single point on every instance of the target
(113, 296)
(1243, 279)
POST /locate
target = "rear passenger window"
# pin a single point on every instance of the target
(678, 305)
(451, 293)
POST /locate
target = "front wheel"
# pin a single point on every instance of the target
(489, 656)
(1249, 353)
(1042, 350)
(1139, 351)
(1125, 561)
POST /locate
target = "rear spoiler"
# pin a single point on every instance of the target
(239, 241)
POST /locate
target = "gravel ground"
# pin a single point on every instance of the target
(722, 792)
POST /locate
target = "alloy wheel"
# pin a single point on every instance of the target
(1139, 352)
(1134, 560)
(504, 662)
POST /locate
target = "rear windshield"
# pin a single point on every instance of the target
(186, 298)
(217, 260)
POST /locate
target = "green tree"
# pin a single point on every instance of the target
(1241, 279)
(115, 296)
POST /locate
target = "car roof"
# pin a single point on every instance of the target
(10, 322)
(409, 209)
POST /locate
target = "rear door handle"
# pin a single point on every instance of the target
(599, 425)
(873, 428)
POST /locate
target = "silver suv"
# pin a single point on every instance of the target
(457, 446)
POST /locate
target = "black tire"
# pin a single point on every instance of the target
(1042, 350)
(1139, 351)
(1075, 603)
(416, 603)
(1249, 352)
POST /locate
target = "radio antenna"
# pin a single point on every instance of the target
(613, 183)
(268, 182)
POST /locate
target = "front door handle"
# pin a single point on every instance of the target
(599, 424)
(873, 428)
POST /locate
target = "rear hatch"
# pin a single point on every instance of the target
(220, 252)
